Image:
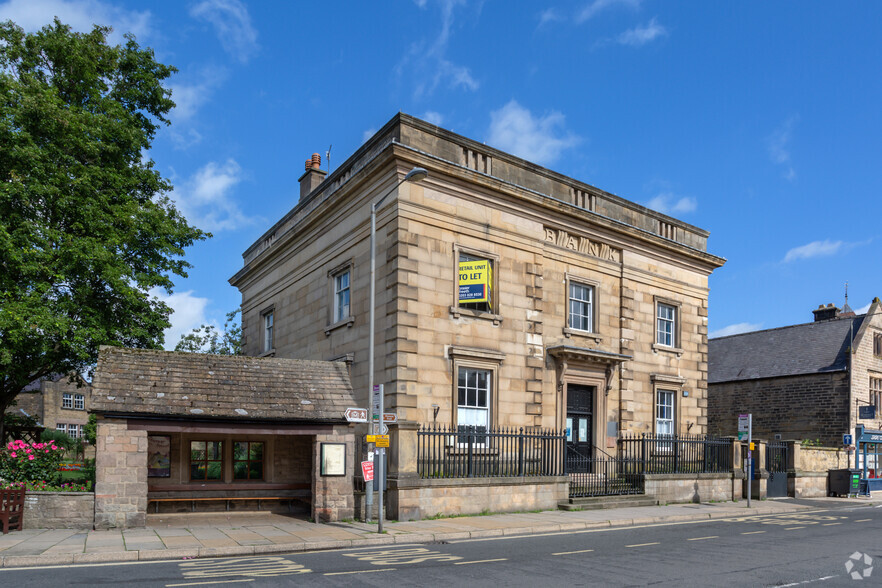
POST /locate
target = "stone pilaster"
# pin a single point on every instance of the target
(120, 476)
(332, 496)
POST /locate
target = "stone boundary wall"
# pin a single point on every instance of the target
(679, 488)
(59, 510)
(808, 466)
(821, 459)
(417, 499)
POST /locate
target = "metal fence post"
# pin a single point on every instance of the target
(521, 453)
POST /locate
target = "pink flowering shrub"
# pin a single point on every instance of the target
(40, 486)
(28, 462)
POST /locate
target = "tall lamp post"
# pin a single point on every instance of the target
(417, 174)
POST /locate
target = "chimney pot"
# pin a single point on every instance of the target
(826, 312)
(313, 176)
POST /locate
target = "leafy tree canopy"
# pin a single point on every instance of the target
(85, 227)
(207, 339)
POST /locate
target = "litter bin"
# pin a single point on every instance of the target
(843, 482)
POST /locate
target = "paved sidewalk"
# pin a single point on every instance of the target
(180, 536)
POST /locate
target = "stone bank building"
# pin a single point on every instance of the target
(508, 295)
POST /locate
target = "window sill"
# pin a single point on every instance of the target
(568, 332)
(656, 347)
(457, 312)
(347, 322)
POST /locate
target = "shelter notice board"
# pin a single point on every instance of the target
(475, 278)
(158, 456)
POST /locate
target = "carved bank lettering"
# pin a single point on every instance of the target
(581, 244)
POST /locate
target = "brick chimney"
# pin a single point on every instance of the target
(313, 176)
(826, 313)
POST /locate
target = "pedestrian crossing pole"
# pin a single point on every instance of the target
(749, 457)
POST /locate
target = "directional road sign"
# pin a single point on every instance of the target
(356, 415)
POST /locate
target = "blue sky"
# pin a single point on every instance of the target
(758, 121)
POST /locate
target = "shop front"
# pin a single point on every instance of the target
(868, 457)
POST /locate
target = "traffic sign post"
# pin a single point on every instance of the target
(749, 457)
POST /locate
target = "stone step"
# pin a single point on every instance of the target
(604, 502)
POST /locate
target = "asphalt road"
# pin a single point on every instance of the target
(806, 548)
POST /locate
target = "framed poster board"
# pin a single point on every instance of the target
(333, 456)
(158, 456)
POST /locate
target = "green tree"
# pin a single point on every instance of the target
(207, 339)
(85, 227)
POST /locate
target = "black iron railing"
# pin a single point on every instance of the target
(676, 454)
(602, 474)
(776, 456)
(471, 452)
(358, 483)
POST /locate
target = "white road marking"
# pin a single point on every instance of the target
(753, 532)
(703, 538)
(830, 524)
(793, 528)
(625, 527)
(863, 520)
(643, 544)
(463, 563)
(212, 582)
(572, 552)
(358, 572)
(808, 581)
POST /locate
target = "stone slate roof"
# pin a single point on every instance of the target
(787, 351)
(147, 382)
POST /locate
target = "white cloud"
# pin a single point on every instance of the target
(231, 23)
(668, 203)
(641, 35)
(186, 139)
(430, 116)
(593, 8)
(549, 15)
(863, 309)
(188, 314)
(205, 199)
(814, 249)
(426, 62)
(735, 329)
(81, 15)
(367, 134)
(190, 94)
(778, 147)
(513, 128)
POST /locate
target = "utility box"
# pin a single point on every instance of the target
(843, 482)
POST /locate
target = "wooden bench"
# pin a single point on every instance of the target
(11, 510)
(228, 499)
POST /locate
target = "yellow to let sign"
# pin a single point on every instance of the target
(475, 279)
(379, 440)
